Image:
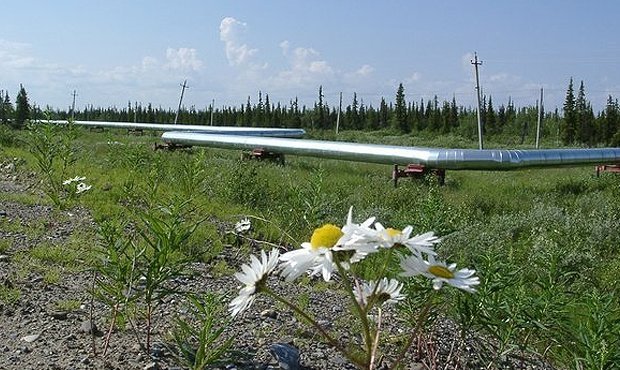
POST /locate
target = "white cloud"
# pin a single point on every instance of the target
(365, 70)
(183, 59)
(15, 55)
(237, 52)
(414, 77)
(305, 66)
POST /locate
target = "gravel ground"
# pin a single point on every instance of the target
(36, 334)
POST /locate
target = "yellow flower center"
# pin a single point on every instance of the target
(325, 236)
(441, 272)
(393, 232)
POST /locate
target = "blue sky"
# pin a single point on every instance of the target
(116, 51)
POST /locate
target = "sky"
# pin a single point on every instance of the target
(114, 52)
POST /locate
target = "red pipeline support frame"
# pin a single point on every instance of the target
(418, 171)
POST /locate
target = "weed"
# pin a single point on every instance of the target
(67, 305)
(5, 245)
(197, 337)
(9, 295)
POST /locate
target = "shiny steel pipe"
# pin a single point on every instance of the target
(224, 130)
(452, 159)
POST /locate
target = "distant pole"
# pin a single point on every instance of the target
(476, 63)
(73, 106)
(338, 116)
(540, 114)
(183, 87)
(212, 106)
(135, 113)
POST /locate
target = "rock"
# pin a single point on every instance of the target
(272, 314)
(286, 355)
(59, 315)
(3, 213)
(31, 338)
(4, 258)
(151, 366)
(88, 327)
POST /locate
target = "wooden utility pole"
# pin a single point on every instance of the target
(183, 87)
(540, 114)
(476, 63)
(338, 116)
(73, 106)
(212, 107)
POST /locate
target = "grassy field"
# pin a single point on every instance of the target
(544, 242)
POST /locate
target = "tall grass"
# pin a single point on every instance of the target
(545, 241)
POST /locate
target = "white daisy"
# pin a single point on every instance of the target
(253, 277)
(75, 179)
(360, 238)
(422, 243)
(315, 255)
(243, 226)
(382, 292)
(348, 245)
(82, 187)
(439, 272)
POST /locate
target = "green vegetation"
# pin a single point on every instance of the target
(544, 241)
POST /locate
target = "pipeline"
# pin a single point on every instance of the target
(224, 130)
(452, 159)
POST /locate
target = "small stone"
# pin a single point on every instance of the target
(286, 355)
(151, 366)
(88, 327)
(272, 314)
(3, 213)
(4, 258)
(85, 360)
(59, 315)
(31, 338)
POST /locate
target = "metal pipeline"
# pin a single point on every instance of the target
(224, 130)
(452, 159)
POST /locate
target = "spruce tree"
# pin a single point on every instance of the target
(400, 111)
(585, 117)
(569, 128)
(22, 108)
(6, 108)
(612, 120)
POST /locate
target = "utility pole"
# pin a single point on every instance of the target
(73, 106)
(212, 107)
(183, 87)
(540, 114)
(476, 63)
(338, 116)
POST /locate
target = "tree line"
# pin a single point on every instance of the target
(577, 124)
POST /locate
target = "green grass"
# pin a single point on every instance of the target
(544, 241)
(9, 296)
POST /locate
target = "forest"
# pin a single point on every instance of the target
(576, 124)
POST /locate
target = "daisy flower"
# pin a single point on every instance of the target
(243, 226)
(439, 272)
(418, 244)
(348, 245)
(253, 277)
(383, 292)
(75, 179)
(82, 187)
(315, 255)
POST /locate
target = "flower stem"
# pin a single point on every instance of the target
(358, 308)
(334, 343)
(421, 318)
